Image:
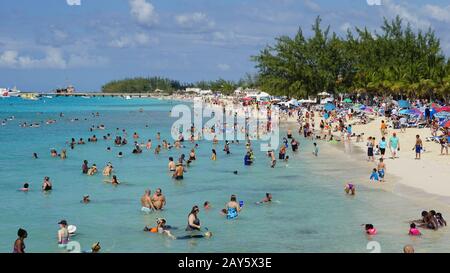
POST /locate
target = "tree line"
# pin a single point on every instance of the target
(397, 61)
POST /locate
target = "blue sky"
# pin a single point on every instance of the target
(45, 44)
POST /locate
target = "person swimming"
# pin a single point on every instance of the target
(25, 187)
(171, 165)
(370, 229)
(413, 230)
(267, 199)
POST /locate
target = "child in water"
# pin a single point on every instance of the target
(374, 176)
(350, 189)
(370, 229)
(413, 230)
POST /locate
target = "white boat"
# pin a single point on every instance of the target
(128, 98)
(7, 93)
(85, 97)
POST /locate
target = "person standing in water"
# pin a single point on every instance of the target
(171, 166)
(146, 202)
(381, 169)
(159, 200)
(193, 220)
(19, 244)
(214, 155)
(232, 208)
(47, 185)
(179, 171)
(63, 234)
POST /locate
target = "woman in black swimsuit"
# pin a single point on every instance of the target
(47, 185)
(193, 221)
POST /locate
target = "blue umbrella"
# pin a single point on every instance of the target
(403, 104)
(442, 115)
(403, 112)
(330, 107)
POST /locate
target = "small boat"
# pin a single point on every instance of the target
(85, 97)
(128, 98)
(29, 96)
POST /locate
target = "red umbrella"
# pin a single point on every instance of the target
(443, 109)
(247, 98)
(447, 124)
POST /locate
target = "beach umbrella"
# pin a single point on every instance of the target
(443, 109)
(442, 115)
(404, 112)
(403, 104)
(330, 107)
(348, 100)
(447, 124)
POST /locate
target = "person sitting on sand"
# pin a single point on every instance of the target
(413, 230)
(374, 176)
(158, 199)
(350, 189)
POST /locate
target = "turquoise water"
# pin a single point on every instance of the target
(311, 213)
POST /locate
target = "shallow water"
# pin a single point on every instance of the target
(311, 213)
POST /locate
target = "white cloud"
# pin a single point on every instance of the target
(73, 2)
(345, 26)
(53, 59)
(438, 13)
(224, 67)
(138, 39)
(144, 12)
(405, 13)
(194, 20)
(312, 5)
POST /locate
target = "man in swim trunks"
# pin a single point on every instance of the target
(171, 166)
(159, 200)
(418, 147)
(146, 202)
(179, 171)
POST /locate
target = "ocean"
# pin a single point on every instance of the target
(310, 213)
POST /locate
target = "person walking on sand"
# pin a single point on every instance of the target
(394, 145)
(418, 147)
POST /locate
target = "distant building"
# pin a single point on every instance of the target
(68, 90)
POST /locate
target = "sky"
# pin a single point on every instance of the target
(48, 44)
